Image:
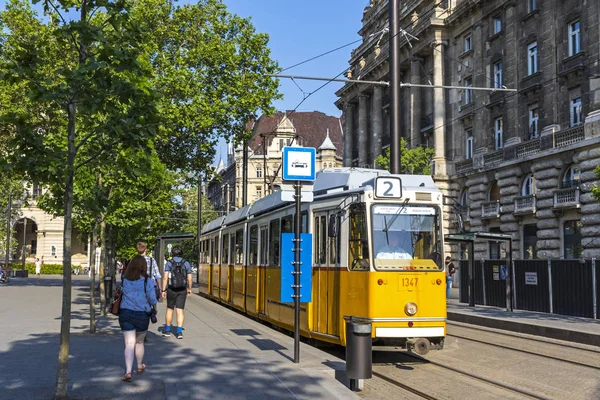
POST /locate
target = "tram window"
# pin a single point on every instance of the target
(216, 251)
(334, 241)
(274, 239)
(322, 240)
(287, 224)
(225, 256)
(358, 257)
(253, 248)
(317, 241)
(212, 251)
(239, 247)
(264, 245)
(206, 251)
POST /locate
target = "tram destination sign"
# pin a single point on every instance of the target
(299, 163)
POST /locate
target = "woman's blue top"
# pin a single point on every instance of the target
(134, 297)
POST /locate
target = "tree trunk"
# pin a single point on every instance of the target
(93, 279)
(101, 271)
(60, 390)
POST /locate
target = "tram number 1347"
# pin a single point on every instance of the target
(410, 283)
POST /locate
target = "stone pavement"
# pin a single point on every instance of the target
(223, 354)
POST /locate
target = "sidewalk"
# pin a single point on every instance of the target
(554, 326)
(223, 354)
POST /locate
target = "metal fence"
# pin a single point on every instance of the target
(567, 287)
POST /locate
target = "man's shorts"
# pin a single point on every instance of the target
(176, 298)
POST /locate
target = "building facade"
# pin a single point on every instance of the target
(270, 134)
(519, 163)
(40, 235)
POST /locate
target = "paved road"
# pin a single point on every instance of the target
(223, 355)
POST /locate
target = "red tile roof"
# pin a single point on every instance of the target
(311, 126)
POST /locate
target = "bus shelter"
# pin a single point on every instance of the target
(163, 240)
(469, 238)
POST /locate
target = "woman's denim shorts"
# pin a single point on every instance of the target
(133, 320)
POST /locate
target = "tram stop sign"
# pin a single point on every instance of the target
(299, 163)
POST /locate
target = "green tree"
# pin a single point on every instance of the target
(416, 161)
(89, 80)
(596, 189)
(210, 71)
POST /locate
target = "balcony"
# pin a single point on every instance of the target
(525, 204)
(490, 209)
(567, 198)
(493, 158)
(529, 148)
(464, 167)
(464, 213)
(569, 136)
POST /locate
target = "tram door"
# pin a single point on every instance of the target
(263, 246)
(326, 280)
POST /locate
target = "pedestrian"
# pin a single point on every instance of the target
(152, 266)
(38, 267)
(176, 285)
(450, 270)
(138, 301)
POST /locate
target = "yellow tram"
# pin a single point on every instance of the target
(377, 256)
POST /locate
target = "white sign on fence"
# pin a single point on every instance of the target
(531, 278)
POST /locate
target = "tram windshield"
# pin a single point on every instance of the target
(403, 234)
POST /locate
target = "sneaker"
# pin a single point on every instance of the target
(166, 333)
(179, 335)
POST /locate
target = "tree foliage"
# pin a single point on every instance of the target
(415, 161)
(596, 189)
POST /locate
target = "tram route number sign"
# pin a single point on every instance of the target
(287, 268)
(299, 163)
(388, 187)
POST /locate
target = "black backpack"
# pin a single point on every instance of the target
(178, 276)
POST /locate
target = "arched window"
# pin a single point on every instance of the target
(570, 177)
(494, 193)
(464, 198)
(528, 186)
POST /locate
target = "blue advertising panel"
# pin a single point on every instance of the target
(287, 267)
(299, 163)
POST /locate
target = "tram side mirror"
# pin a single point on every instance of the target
(332, 229)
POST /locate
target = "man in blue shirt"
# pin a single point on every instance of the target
(176, 285)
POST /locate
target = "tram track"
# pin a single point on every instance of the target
(501, 346)
(470, 375)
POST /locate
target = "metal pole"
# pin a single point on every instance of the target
(550, 297)
(471, 276)
(509, 269)
(482, 263)
(8, 215)
(297, 250)
(199, 223)
(395, 150)
(594, 285)
(245, 174)
(24, 240)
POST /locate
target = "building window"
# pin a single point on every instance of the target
(468, 43)
(572, 239)
(570, 178)
(531, 5)
(281, 144)
(468, 92)
(527, 188)
(533, 122)
(258, 192)
(498, 75)
(498, 141)
(495, 247)
(53, 250)
(574, 38)
(37, 191)
(497, 25)
(532, 58)
(469, 145)
(530, 242)
(576, 118)
(259, 172)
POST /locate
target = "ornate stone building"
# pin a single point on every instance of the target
(40, 235)
(271, 134)
(519, 163)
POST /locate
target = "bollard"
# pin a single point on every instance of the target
(359, 351)
(108, 289)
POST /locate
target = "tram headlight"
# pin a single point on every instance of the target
(410, 308)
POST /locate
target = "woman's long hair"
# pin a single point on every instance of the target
(137, 268)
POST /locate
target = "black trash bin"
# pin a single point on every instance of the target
(359, 350)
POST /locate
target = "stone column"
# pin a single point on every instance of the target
(439, 106)
(348, 133)
(376, 124)
(363, 149)
(415, 103)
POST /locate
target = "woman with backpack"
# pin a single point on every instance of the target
(138, 302)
